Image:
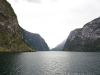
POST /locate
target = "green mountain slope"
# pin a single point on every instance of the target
(10, 32)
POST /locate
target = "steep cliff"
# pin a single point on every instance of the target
(10, 32)
(35, 41)
(86, 38)
(59, 47)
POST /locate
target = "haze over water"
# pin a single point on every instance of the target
(50, 63)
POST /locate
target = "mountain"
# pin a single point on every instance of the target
(35, 41)
(86, 38)
(10, 31)
(59, 47)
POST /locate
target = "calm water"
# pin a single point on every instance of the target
(50, 63)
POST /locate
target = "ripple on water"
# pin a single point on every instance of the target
(50, 63)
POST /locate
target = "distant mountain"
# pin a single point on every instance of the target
(59, 47)
(10, 32)
(35, 41)
(86, 38)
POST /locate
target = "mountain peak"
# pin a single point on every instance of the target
(86, 38)
(10, 32)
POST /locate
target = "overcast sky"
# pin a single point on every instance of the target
(54, 19)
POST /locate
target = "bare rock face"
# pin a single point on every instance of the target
(10, 33)
(86, 38)
(73, 34)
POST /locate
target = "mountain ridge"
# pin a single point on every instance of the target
(10, 32)
(35, 41)
(87, 39)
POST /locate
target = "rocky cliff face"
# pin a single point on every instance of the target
(86, 38)
(10, 33)
(72, 36)
(35, 41)
(59, 47)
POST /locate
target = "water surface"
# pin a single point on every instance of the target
(50, 63)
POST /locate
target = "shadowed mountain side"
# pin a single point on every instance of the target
(86, 38)
(10, 32)
(59, 47)
(35, 41)
(72, 36)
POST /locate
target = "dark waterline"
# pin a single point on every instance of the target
(50, 63)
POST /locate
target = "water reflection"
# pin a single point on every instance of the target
(50, 63)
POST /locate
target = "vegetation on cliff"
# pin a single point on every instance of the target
(10, 32)
(35, 41)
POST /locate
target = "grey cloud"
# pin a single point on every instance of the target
(54, 0)
(15, 1)
(36, 1)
